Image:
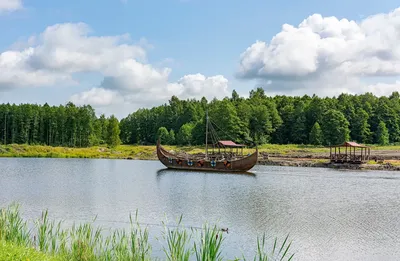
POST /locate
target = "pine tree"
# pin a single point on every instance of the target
(382, 134)
(316, 137)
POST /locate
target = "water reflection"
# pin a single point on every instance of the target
(166, 171)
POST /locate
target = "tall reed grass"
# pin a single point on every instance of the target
(87, 242)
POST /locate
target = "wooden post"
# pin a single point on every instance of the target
(362, 154)
(335, 154)
(330, 153)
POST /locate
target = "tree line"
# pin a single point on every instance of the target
(257, 119)
(69, 126)
(261, 119)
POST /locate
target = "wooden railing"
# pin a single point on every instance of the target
(348, 158)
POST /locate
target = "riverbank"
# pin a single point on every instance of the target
(388, 157)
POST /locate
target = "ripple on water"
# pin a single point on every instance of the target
(330, 214)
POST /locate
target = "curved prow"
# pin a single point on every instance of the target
(172, 160)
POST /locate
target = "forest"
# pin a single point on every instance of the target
(68, 126)
(258, 119)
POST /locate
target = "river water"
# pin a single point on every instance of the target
(328, 214)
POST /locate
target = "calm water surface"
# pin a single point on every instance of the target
(330, 214)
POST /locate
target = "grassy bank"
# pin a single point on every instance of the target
(143, 152)
(48, 240)
(312, 153)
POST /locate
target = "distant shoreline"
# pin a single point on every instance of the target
(270, 154)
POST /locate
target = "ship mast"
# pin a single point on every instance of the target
(207, 135)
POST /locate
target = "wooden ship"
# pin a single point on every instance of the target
(221, 155)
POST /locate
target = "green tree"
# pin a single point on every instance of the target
(360, 129)
(163, 135)
(223, 114)
(298, 130)
(113, 139)
(172, 138)
(382, 134)
(184, 136)
(335, 127)
(316, 137)
(260, 124)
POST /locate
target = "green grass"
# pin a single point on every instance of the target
(10, 251)
(149, 152)
(133, 151)
(47, 240)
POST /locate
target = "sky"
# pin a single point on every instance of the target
(122, 55)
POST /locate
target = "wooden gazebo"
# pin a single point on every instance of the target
(226, 148)
(346, 153)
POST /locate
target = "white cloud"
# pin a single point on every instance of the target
(10, 5)
(97, 96)
(157, 90)
(55, 56)
(383, 89)
(322, 52)
(15, 72)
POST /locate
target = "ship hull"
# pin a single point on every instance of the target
(172, 161)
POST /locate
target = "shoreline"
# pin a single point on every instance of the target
(295, 162)
(386, 158)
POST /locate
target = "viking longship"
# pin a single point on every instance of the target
(220, 155)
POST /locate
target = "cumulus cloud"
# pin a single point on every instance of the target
(116, 90)
(64, 50)
(323, 51)
(10, 5)
(98, 96)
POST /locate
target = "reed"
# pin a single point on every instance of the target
(178, 240)
(277, 253)
(85, 242)
(209, 247)
(12, 227)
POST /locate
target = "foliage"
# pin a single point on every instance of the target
(335, 127)
(67, 125)
(382, 134)
(9, 251)
(184, 136)
(172, 138)
(316, 137)
(113, 132)
(257, 119)
(261, 119)
(163, 135)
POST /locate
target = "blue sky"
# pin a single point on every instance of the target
(188, 36)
